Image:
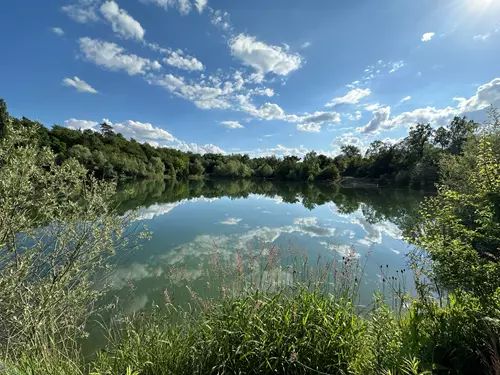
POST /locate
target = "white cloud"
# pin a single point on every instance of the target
(220, 19)
(121, 22)
(75, 124)
(486, 95)
(348, 139)
(143, 132)
(200, 5)
(425, 115)
(83, 11)
(317, 118)
(352, 97)
(232, 124)
(311, 128)
(203, 94)
(372, 107)
(198, 149)
(183, 62)
(396, 66)
(306, 45)
(354, 117)
(79, 84)
(263, 57)
(380, 120)
(58, 31)
(112, 56)
(405, 99)
(184, 6)
(427, 36)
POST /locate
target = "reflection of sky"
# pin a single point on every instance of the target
(187, 232)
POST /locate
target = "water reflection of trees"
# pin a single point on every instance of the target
(397, 206)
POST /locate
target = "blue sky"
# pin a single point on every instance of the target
(263, 77)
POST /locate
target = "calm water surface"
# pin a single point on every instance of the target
(193, 220)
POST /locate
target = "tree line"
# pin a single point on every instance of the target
(414, 160)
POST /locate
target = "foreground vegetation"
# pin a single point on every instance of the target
(414, 160)
(59, 237)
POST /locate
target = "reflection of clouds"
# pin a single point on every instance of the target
(306, 221)
(341, 249)
(134, 272)
(137, 304)
(150, 212)
(349, 233)
(374, 231)
(231, 221)
(395, 251)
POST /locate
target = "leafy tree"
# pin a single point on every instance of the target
(48, 283)
(106, 129)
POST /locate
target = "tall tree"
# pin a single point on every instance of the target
(106, 129)
(4, 118)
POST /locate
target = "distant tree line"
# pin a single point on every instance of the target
(413, 161)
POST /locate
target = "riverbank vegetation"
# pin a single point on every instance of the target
(59, 237)
(415, 160)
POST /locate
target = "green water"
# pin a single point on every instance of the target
(192, 220)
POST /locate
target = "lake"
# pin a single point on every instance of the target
(196, 225)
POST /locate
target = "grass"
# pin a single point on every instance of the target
(312, 325)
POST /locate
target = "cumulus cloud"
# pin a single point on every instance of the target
(205, 95)
(380, 120)
(75, 124)
(311, 128)
(232, 124)
(405, 99)
(83, 11)
(263, 57)
(121, 22)
(112, 56)
(79, 84)
(305, 45)
(348, 139)
(352, 97)
(198, 149)
(184, 62)
(58, 31)
(482, 36)
(143, 132)
(427, 37)
(485, 96)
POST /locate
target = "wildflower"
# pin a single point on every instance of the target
(293, 356)
(168, 301)
(258, 305)
(239, 265)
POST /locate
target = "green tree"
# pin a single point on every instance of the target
(58, 234)
(106, 129)
(4, 118)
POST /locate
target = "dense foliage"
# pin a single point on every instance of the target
(415, 160)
